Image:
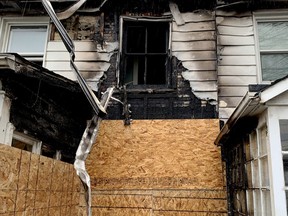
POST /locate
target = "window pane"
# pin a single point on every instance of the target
(284, 134)
(263, 141)
(264, 172)
(156, 70)
(21, 145)
(274, 66)
(286, 192)
(249, 174)
(257, 203)
(255, 175)
(273, 35)
(285, 167)
(27, 39)
(135, 69)
(136, 39)
(253, 145)
(157, 37)
(250, 203)
(247, 149)
(266, 203)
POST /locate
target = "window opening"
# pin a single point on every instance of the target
(273, 48)
(145, 53)
(28, 41)
(26, 142)
(258, 183)
(284, 144)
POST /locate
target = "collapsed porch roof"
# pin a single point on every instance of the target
(48, 106)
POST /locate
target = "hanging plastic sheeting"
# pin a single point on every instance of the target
(71, 10)
(91, 130)
(84, 148)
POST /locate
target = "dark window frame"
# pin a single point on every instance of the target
(144, 55)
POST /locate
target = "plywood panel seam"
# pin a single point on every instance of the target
(26, 195)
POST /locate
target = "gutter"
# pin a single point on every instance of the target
(236, 115)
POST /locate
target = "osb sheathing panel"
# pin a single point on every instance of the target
(159, 202)
(156, 154)
(35, 185)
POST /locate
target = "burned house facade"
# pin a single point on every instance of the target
(178, 68)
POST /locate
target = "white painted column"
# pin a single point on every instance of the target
(6, 128)
(278, 197)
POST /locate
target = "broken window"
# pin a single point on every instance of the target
(145, 53)
(26, 142)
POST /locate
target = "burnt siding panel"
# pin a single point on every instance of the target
(194, 44)
(236, 58)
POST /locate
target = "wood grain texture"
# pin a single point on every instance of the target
(31, 191)
(158, 202)
(156, 154)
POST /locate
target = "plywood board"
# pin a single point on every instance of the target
(131, 201)
(7, 201)
(187, 204)
(9, 167)
(156, 201)
(120, 212)
(156, 154)
(186, 213)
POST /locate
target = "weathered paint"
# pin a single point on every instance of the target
(193, 41)
(236, 58)
(91, 59)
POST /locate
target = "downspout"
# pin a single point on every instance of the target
(91, 131)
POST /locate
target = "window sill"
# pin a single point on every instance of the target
(148, 90)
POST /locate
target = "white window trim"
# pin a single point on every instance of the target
(278, 197)
(36, 144)
(135, 18)
(8, 22)
(262, 16)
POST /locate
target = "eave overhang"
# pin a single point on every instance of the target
(250, 106)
